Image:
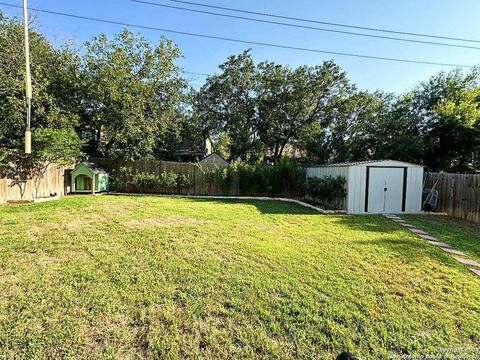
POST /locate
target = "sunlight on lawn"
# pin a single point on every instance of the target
(132, 277)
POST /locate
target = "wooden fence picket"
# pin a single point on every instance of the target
(458, 194)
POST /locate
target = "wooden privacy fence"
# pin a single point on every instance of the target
(200, 177)
(53, 182)
(458, 194)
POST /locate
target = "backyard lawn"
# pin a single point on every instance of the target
(150, 277)
(460, 234)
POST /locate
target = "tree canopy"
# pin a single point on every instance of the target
(132, 94)
(264, 107)
(125, 97)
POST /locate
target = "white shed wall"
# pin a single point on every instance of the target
(414, 190)
(356, 183)
(356, 190)
(332, 171)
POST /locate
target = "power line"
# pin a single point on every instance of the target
(306, 27)
(195, 73)
(324, 22)
(240, 41)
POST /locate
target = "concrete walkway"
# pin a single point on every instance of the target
(459, 256)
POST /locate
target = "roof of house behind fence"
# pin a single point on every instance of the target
(359, 163)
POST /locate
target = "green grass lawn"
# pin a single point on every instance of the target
(148, 277)
(460, 234)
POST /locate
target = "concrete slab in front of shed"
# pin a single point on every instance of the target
(440, 244)
(475, 271)
(430, 238)
(417, 231)
(467, 261)
(452, 251)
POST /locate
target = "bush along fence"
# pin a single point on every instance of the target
(458, 194)
(329, 191)
(163, 177)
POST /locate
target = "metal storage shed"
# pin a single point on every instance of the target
(380, 186)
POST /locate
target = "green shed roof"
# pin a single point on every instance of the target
(94, 168)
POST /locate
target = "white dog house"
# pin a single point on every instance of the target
(383, 186)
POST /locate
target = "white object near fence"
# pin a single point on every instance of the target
(383, 186)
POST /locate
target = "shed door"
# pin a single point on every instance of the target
(385, 190)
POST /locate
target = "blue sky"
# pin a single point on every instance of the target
(440, 17)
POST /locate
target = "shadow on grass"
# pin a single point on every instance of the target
(264, 206)
(411, 250)
(395, 238)
(370, 223)
(460, 234)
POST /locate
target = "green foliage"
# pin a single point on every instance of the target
(149, 183)
(284, 177)
(49, 146)
(16, 166)
(126, 97)
(265, 106)
(436, 124)
(290, 100)
(326, 189)
(182, 182)
(447, 108)
(61, 147)
(133, 96)
(223, 176)
(50, 70)
(227, 104)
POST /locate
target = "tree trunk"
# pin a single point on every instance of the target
(280, 152)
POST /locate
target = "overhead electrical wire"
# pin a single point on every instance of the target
(305, 26)
(195, 73)
(311, 21)
(240, 41)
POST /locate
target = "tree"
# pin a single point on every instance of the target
(347, 130)
(266, 106)
(436, 124)
(47, 66)
(291, 100)
(371, 126)
(227, 103)
(52, 117)
(53, 147)
(16, 166)
(134, 98)
(59, 147)
(447, 111)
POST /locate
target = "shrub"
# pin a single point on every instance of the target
(145, 181)
(283, 177)
(167, 180)
(120, 178)
(148, 182)
(326, 189)
(183, 182)
(224, 178)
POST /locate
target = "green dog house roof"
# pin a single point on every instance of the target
(88, 177)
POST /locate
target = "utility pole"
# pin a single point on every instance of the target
(28, 82)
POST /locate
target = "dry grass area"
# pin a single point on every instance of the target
(147, 277)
